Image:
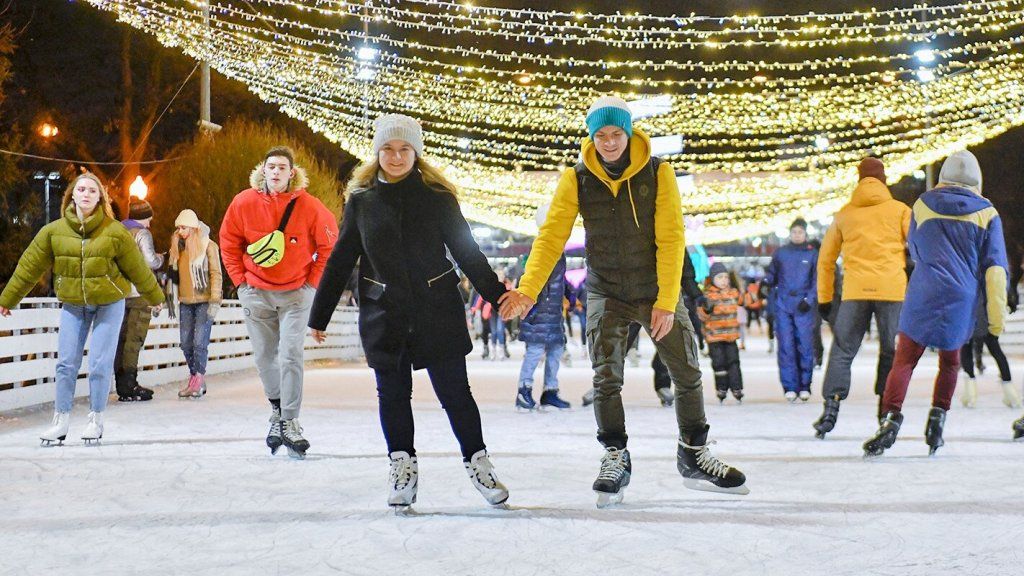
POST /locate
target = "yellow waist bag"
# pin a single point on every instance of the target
(269, 250)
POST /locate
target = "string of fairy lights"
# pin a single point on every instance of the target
(502, 92)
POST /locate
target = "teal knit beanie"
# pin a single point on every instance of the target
(609, 111)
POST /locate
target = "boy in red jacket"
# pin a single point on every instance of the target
(275, 240)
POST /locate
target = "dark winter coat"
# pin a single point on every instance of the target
(408, 288)
(544, 324)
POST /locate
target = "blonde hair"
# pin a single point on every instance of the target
(193, 247)
(104, 197)
(365, 176)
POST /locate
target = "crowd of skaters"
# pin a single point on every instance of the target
(404, 232)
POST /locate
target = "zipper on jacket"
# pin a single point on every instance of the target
(436, 278)
(381, 284)
(114, 284)
(85, 298)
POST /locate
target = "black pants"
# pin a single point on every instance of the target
(725, 361)
(451, 384)
(753, 316)
(992, 342)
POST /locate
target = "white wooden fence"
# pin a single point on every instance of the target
(28, 349)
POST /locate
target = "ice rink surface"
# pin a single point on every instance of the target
(187, 487)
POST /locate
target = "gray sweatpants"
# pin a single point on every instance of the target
(608, 322)
(276, 322)
(847, 334)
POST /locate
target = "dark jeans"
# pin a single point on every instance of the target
(608, 323)
(967, 356)
(725, 361)
(194, 327)
(851, 323)
(662, 379)
(451, 384)
(908, 353)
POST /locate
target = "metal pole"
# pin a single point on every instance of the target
(204, 75)
(46, 219)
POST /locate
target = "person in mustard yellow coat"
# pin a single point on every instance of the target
(870, 233)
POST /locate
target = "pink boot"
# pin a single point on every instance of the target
(199, 386)
(186, 390)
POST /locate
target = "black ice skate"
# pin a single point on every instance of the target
(886, 435)
(135, 394)
(550, 399)
(827, 422)
(291, 434)
(721, 393)
(1018, 430)
(933, 430)
(274, 440)
(613, 478)
(738, 395)
(702, 471)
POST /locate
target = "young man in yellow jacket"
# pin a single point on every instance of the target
(871, 234)
(634, 223)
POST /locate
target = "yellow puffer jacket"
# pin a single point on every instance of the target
(871, 234)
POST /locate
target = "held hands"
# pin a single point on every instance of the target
(515, 303)
(803, 306)
(5, 311)
(319, 336)
(825, 310)
(662, 322)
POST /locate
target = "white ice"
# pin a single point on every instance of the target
(187, 487)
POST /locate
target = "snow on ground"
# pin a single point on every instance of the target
(187, 487)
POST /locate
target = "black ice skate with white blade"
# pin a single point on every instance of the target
(702, 471)
(613, 478)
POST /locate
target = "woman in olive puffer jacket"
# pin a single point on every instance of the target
(95, 261)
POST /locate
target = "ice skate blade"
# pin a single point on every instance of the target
(1019, 439)
(47, 443)
(932, 450)
(820, 435)
(705, 486)
(402, 509)
(296, 455)
(92, 441)
(607, 499)
(524, 410)
(548, 408)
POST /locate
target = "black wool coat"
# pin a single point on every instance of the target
(409, 300)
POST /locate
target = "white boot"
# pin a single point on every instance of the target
(58, 431)
(969, 397)
(403, 480)
(481, 474)
(94, 429)
(1011, 396)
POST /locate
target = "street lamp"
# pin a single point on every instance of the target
(46, 179)
(138, 188)
(47, 130)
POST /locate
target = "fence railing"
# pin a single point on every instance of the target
(28, 349)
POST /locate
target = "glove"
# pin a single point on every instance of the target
(803, 306)
(707, 305)
(825, 309)
(211, 310)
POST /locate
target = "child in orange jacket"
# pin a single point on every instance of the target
(721, 330)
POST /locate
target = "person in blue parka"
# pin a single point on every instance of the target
(792, 275)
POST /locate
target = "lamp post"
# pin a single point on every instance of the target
(47, 179)
(138, 188)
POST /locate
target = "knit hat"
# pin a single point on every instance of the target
(187, 218)
(716, 269)
(609, 111)
(397, 127)
(798, 223)
(139, 209)
(961, 169)
(871, 168)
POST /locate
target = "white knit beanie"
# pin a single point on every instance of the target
(187, 218)
(397, 127)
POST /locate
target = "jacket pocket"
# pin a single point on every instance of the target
(371, 289)
(116, 287)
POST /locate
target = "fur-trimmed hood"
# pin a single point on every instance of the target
(258, 181)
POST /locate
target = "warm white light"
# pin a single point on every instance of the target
(925, 56)
(366, 74)
(822, 143)
(919, 174)
(464, 143)
(925, 75)
(138, 188)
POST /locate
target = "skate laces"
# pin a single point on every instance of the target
(706, 461)
(483, 471)
(291, 429)
(401, 473)
(613, 465)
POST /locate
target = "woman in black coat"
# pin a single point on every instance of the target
(400, 217)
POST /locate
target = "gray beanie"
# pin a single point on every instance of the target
(397, 127)
(961, 169)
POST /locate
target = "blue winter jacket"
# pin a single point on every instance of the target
(793, 276)
(956, 241)
(544, 324)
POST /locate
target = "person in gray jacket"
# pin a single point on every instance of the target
(137, 315)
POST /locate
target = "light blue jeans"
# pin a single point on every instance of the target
(75, 322)
(536, 351)
(195, 324)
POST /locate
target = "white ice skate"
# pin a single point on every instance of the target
(403, 481)
(969, 397)
(58, 430)
(1011, 396)
(481, 474)
(94, 429)
(805, 395)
